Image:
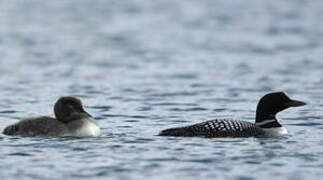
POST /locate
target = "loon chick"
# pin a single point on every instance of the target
(266, 123)
(71, 120)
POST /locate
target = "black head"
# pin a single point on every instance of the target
(67, 109)
(272, 103)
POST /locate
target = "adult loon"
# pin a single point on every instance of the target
(266, 124)
(71, 120)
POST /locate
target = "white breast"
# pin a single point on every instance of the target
(88, 129)
(277, 131)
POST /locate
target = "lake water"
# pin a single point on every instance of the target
(142, 66)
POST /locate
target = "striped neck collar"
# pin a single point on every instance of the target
(268, 123)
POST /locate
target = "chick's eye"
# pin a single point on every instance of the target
(66, 103)
(69, 106)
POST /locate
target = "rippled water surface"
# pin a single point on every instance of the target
(142, 66)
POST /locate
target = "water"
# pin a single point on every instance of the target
(142, 66)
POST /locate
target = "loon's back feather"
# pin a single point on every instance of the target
(216, 128)
(52, 127)
(36, 126)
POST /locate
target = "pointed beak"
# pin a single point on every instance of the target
(294, 103)
(87, 113)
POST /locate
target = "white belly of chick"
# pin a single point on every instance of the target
(88, 129)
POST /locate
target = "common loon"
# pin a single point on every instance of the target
(266, 124)
(71, 120)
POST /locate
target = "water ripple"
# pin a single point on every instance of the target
(142, 66)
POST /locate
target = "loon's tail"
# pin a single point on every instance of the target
(181, 131)
(10, 130)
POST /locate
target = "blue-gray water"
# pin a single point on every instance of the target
(142, 66)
